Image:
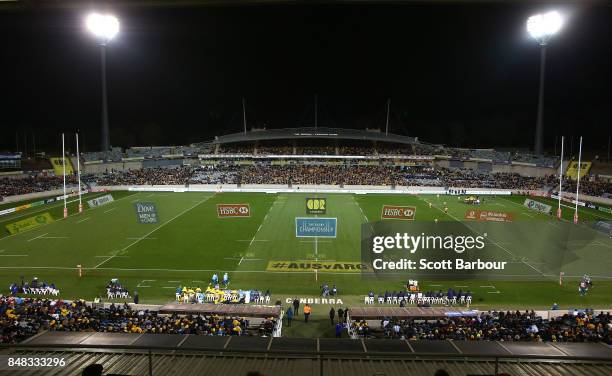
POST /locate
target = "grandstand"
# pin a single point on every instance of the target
(459, 322)
(421, 237)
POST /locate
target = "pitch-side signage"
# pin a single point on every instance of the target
(487, 215)
(233, 210)
(537, 206)
(308, 227)
(404, 213)
(316, 205)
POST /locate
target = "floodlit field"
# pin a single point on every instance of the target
(190, 243)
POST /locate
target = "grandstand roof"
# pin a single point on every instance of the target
(125, 353)
(314, 133)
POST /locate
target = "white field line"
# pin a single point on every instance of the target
(155, 229)
(55, 237)
(242, 258)
(61, 203)
(597, 242)
(69, 215)
(252, 240)
(14, 255)
(564, 220)
(315, 241)
(83, 220)
(140, 284)
(240, 262)
(315, 260)
(490, 240)
(110, 256)
(141, 238)
(39, 236)
(110, 210)
(259, 228)
(266, 271)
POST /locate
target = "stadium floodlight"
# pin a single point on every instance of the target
(104, 27)
(542, 27)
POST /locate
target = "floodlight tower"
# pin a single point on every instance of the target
(542, 27)
(104, 27)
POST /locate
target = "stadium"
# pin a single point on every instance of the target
(305, 250)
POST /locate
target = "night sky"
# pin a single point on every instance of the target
(458, 74)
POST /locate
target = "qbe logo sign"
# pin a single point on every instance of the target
(233, 210)
(316, 205)
(404, 213)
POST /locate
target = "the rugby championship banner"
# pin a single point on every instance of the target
(404, 213)
(309, 227)
(99, 201)
(146, 212)
(537, 206)
(233, 210)
(316, 205)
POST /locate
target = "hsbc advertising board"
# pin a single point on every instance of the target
(233, 210)
(403, 213)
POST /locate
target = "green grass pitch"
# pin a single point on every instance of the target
(190, 243)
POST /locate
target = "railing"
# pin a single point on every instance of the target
(494, 360)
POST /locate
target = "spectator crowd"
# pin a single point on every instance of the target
(21, 318)
(496, 326)
(312, 172)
